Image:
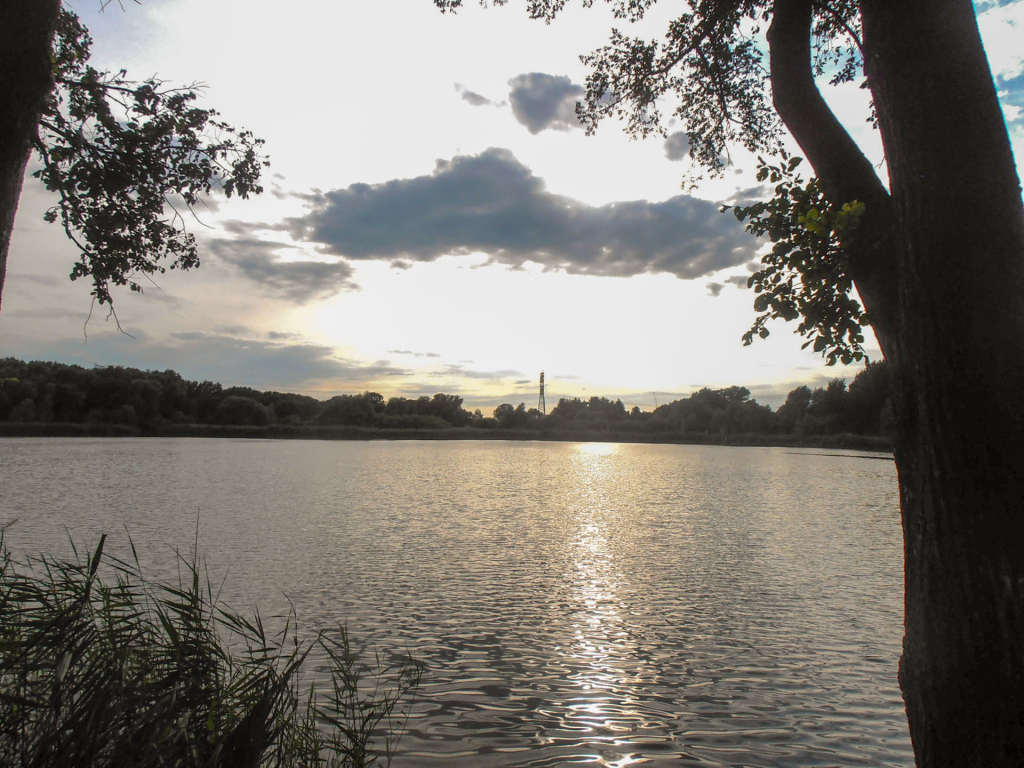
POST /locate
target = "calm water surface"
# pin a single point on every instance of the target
(598, 604)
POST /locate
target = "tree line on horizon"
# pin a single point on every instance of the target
(50, 392)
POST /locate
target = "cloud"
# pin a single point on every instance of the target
(49, 313)
(541, 102)
(299, 281)
(261, 363)
(458, 370)
(751, 195)
(677, 146)
(474, 99)
(414, 354)
(492, 203)
(292, 366)
(740, 281)
(1000, 25)
(44, 280)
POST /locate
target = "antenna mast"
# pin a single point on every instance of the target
(541, 404)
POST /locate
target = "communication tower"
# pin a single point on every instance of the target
(541, 405)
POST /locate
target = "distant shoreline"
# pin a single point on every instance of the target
(287, 432)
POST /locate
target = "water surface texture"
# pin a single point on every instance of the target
(597, 604)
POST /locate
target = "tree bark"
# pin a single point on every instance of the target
(943, 279)
(26, 78)
(960, 441)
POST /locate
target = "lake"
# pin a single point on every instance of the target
(583, 603)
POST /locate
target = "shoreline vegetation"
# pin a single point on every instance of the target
(101, 667)
(47, 399)
(842, 441)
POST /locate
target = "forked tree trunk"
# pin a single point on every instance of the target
(942, 276)
(960, 348)
(26, 77)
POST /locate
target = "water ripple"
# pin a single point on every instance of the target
(571, 604)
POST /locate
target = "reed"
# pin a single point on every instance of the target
(99, 667)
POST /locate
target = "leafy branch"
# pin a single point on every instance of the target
(119, 153)
(804, 276)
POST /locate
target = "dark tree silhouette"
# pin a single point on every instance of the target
(126, 159)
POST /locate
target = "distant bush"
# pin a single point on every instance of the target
(413, 421)
(242, 411)
(120, 672)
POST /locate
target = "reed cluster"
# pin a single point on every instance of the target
(99, 667)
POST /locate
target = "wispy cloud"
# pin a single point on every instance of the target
(458, 370)
(475, 99)
(232, 359)
(413, 354)
(298, 281)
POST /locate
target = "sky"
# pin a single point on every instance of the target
(433, 219)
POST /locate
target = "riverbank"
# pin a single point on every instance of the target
(290, 432)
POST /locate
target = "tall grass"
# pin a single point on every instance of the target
(99, 667)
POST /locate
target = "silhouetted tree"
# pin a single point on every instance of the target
(348, 410)
(239, 410)
(870, 400)
(794, 410)
(113, 150)
(826, 414)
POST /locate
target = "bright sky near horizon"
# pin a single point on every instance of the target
(433, 220)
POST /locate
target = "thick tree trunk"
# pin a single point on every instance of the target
(960, 442)
(26, 77)
(945, 285)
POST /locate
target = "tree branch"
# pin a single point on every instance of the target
(838, 19)
(845, 173)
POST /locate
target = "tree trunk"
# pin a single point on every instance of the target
(959, 239)
(26, 77)
(943, 279)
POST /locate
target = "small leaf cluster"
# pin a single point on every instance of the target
(129, 160)
(804, 276)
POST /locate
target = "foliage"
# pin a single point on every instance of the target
(727, 411)
(99, 672)
(804, 276)
(53, 392)
(120, 153)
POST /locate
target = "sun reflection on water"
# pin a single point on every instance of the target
(601, 653)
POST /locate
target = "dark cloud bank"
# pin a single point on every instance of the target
(492, 203)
